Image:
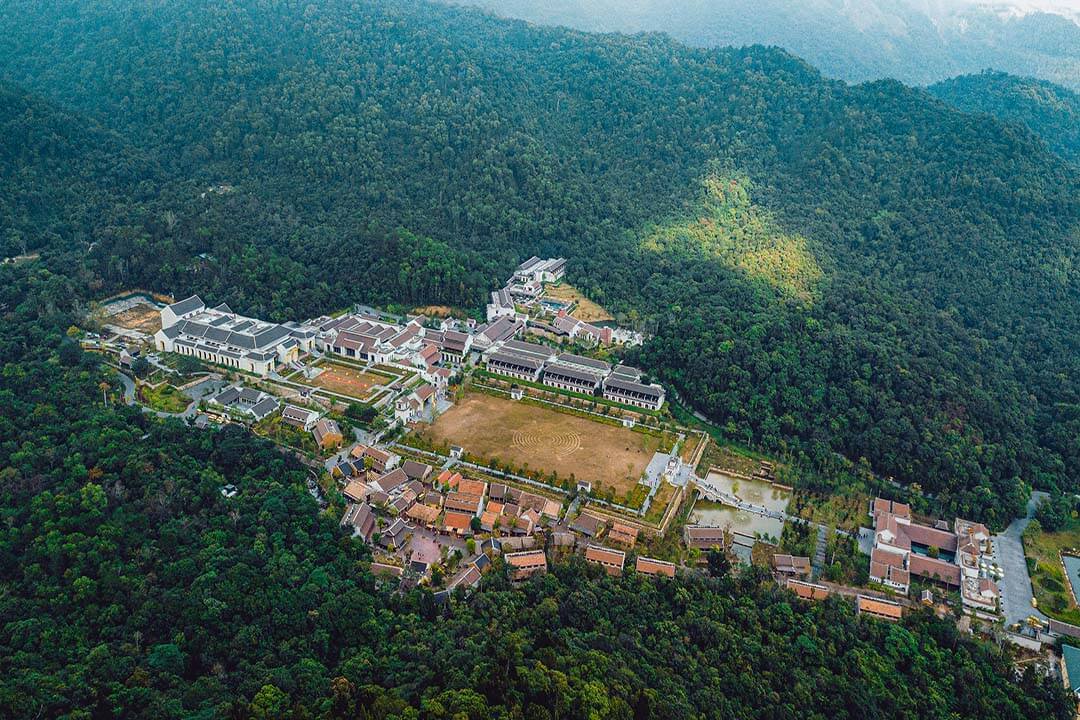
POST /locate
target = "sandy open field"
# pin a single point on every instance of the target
(586, 310)
(546, 440)
(345, 380)
(142, 317)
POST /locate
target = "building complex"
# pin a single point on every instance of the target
(220, 336)
(950, 556)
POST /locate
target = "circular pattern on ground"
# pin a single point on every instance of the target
(562, 444)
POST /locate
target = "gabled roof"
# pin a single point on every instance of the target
(391, 480)
(882, 608)
(650, 566)
(599, 554)
(423, 513)
(587, 524)
(187, 305)
(526, 559)
(227, 396)
(416, 470)
(457, 520)
(295, 414)
(264, 407)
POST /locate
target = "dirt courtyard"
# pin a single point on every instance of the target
(541, 439)
(586, 310)
(346, 380)
(142, 317)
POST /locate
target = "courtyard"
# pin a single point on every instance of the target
(530, 438)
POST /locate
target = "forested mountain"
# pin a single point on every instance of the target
(1048, 110)
(828, 269)
(914, 41)
(132, 588)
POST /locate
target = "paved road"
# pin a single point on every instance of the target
(1016, 585)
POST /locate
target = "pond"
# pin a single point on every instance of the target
(1072, 571)
(744, 523)
(756, 492)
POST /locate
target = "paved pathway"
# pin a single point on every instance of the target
(819, 553)
(1016, 585)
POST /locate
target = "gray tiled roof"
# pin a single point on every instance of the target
(227, 396)
(572, 359)
(516, 360)
(187, 305)
(264, 407)
(635, 387)
(579, 374)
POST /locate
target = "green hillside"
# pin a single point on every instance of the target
(400, 152)
(133, 588)
(1048, 110)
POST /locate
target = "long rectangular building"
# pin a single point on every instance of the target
(220, 336)
(624, 385)
(576, 373)
(521, 360)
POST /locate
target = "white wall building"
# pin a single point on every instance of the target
(220, 336)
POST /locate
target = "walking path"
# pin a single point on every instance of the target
(819, 553)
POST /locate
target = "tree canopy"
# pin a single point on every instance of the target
(829, 271)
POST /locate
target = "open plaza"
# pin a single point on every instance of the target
(527, 436)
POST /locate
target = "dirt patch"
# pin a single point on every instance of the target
(535, 438)
(347, 381)
(439, 311)
(142, 317)
(586, 310)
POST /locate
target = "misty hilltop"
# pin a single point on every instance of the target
(916, 41)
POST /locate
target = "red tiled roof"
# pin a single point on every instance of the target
(457, 521)
(879, 608)
(649, 566)
(934, 569)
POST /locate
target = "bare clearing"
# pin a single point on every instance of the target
(536, 438)
(142, 317)
(586, 310)
(346, 380)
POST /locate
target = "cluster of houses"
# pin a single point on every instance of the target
(407, 504)
(220, 336)
(953, 557)
(257, 405)
(794, 572)
(525, 286)
(576, 373)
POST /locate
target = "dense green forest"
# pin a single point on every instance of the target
(132, 588)
(291, 158)
(1050, 111)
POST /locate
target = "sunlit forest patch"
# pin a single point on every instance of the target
(742, 235)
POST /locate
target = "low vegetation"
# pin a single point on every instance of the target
(1044, 550)
(163, 397)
